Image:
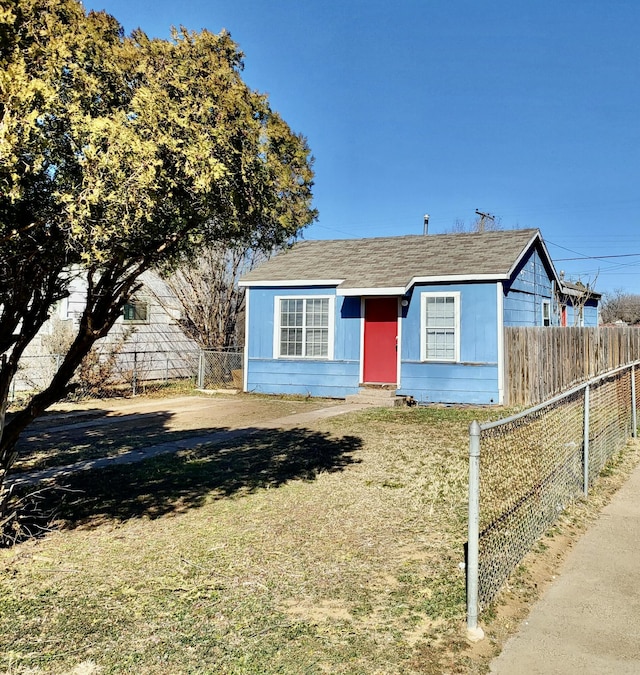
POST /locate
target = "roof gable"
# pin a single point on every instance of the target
(394, 264)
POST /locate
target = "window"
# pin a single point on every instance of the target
(546, 313)
(303, 327)
(440, 335)
(136, 311)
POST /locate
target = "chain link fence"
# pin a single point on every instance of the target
(219, 369)
(526, 469)
(105, 373)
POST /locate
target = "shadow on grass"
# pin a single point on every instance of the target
(92, 436)
(175, 483)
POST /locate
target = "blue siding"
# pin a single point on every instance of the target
(475, 378)
(315, 377)
(348, 329)
(523, 299)
(589, 311)
(333, 379)
(591, 316)
(478, 322)
(450, 383)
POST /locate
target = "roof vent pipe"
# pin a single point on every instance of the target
(426, 224)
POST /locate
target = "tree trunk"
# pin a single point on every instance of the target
(57, 389)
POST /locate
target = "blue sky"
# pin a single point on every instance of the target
(527, 110)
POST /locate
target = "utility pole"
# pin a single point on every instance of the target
(483, 217)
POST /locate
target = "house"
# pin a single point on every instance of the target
(421, 314)
(146, 340)
(578, 304)
(150, 321)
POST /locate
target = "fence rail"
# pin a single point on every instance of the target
(524, 470)
(542, 362)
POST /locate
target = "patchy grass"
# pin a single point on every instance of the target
(328, 549)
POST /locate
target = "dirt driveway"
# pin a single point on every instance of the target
(70, 433)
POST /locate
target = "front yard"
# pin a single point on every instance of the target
(334, 548)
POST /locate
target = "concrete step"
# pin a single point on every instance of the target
(377, 396)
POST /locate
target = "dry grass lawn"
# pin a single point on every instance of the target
(332, 549)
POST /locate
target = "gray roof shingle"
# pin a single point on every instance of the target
(393, 262)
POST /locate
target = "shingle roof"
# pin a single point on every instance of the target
(394, 262)
(578, 290)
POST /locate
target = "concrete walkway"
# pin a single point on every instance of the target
(587, 621)
(140, 454)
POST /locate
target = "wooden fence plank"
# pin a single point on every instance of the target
(542, 362)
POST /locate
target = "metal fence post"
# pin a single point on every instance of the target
(585, 443)
(474, 632)
(634, 421)
(135, 372)
(201, 371)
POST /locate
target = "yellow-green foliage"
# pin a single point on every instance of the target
(140, 143)
(122, 153)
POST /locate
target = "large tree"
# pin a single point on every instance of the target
(120, 154)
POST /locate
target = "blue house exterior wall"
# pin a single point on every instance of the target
(590, 315)
(485, 307)
(531, 286)
(475, 378)
(335, 378)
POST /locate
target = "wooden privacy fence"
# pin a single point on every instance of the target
(542, 362)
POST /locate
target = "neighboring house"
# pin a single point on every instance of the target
(422, 314)
(578, 304)
(147, 337)
(149, 321)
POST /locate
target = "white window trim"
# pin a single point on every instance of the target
(547, 304)
(423, 324)
(500, 322)
(276, 327)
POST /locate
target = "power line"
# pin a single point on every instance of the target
(598, 257)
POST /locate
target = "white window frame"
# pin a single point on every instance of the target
(423, 324)
(546, 304)
(276, 327)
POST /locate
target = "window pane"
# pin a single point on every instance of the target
(291, 342)
(440, 312)
(291, 312)
(135, 310)
(441, 345)
(318, 312)
(317, 342)
(440, 328)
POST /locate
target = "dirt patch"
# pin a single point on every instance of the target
(107, 428)
(188, 412)
(318, 611)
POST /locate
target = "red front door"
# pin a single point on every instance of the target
(380, 340)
